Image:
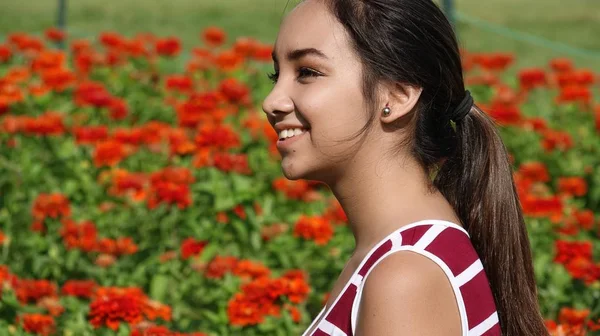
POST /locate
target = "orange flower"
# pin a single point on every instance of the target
(243, 312)
(493, 61)
(316, 228)
(105, 260)
(229, 60)
(573, 316)
(170, 46)
(54, 34)
(572, 186)
(561, 64)
(37, 323)
(262, 53)
(296, 189)
(50, 205)
(49, 59)
(245, 46)
(214, 36)
(109, 153)
(250, 269)
(220, 265)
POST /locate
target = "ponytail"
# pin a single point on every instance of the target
(477, 180)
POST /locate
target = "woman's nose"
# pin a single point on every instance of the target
(277, 102)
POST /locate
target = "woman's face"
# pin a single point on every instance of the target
(318, 88)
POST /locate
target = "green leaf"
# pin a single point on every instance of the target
(158, 287)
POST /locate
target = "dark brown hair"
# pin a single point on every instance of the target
(412, 42)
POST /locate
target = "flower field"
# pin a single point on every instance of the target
(141, 192)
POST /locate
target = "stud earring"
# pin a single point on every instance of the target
(386, 110)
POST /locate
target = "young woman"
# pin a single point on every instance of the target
(369, 98)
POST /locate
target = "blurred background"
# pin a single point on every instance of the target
(535, 31)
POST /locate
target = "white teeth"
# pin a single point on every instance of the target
(291, 132)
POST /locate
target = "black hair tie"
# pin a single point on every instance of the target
(464, 107)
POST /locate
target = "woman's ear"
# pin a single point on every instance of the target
(401, 99)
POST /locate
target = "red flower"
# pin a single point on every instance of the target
(5, 53)
(54, 34)
(37, 323)
(92, 94)
(570, 94)
(232, 162)
(118, 108)
(49, 123)
(235, 91)
(33, 290)
(535, 171)
(505, 114)
(79, 236)
(532, 77)
(170, 46)
(90, 134)
(50, 205)
(219, 137)
(79, 288)
(556, 140)
(112, 39)
(181, 83)
(214, 36)
(250, 269)
(111, 309)
(191, 247)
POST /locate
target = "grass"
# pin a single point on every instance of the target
(575, 24)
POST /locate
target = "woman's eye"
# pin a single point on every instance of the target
(306, 72)
(273, 76)
(302, 73)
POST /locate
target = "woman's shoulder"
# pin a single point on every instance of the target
(408, 291)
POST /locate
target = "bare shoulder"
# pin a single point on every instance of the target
(407, 294)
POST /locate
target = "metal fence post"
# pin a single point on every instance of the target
(61, 18)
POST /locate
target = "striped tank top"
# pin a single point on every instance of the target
(445, 243)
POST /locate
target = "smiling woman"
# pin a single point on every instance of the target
(369, 99)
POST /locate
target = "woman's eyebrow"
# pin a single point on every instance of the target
(296, 54)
